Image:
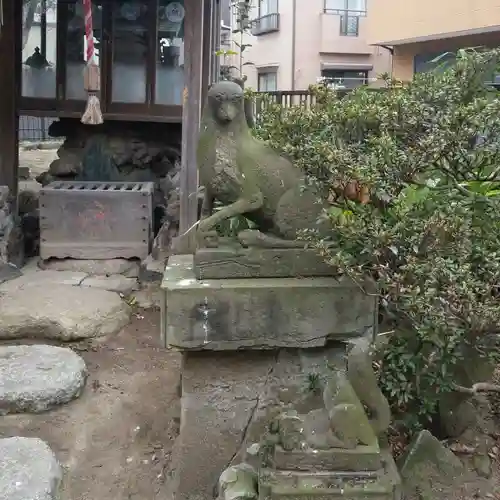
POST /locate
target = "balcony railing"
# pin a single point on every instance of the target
(349, 25)
(344, 83)
(331, 9)
(265, 24)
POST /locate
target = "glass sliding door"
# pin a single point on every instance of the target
(75, 46)
(130, 51)
(39, 49)
(169, 82)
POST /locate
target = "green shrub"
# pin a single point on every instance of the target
(413, 173)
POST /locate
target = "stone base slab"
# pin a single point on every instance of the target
(239, 262)
(362, 458)
(260, 313)
(383, 484)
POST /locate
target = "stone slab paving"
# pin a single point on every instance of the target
(35, 277)
(35, 378)
(29, 470)
(113, 283)
(103, 267)
(42, 309)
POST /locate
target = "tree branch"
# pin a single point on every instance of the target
(477, 388)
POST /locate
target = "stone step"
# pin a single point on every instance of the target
(29, 470)
(36, 378)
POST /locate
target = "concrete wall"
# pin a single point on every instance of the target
(395, 20)
(317, 42)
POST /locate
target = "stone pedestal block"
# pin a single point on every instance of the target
(260, 313)
(228, 400)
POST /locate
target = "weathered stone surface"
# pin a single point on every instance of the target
(362, 458)
(239, 262)
(349, 422)
(37, 278)
(428, 466)
(68, 165)
(151, 270)
(238, 482)
(59, 312)
(36, 378)
(148, 297)
(29, 470)
(23, 172)
(456, 412)
(228, 401)
(11, 236)
(285, 485)
(113, 283)
(260, 313)
(106, 267)
(8, 272)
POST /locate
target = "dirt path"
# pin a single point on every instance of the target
(115, 441)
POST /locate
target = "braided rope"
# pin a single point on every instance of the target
(89, 31)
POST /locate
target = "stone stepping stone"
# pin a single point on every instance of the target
(58, 311)
(35, 378)
(113, 283)
(29, 470)
(104, 267)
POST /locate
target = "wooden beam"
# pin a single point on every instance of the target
(10, 54)
(193, 55)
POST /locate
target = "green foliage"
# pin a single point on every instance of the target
(242, 17)
(413, 173)
(232, 226)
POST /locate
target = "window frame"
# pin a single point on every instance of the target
(266, 73)
(345, 19)
(345, 9)
(343, 72)
(261, 13)
(61, 106)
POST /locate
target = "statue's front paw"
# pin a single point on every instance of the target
(207, 239)
(203, 227)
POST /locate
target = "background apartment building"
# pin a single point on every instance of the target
(418, 31)
(296, 42)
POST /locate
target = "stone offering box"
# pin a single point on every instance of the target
(96, 220)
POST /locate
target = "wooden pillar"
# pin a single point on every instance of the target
(207, 49)
(9, 90)
(193, 50)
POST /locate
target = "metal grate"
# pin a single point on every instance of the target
(100, 186)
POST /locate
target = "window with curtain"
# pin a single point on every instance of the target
(268, 81)
(352, 7)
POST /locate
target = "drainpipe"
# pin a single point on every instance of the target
(294, 40)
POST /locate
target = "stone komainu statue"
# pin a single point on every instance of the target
(248, 177)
